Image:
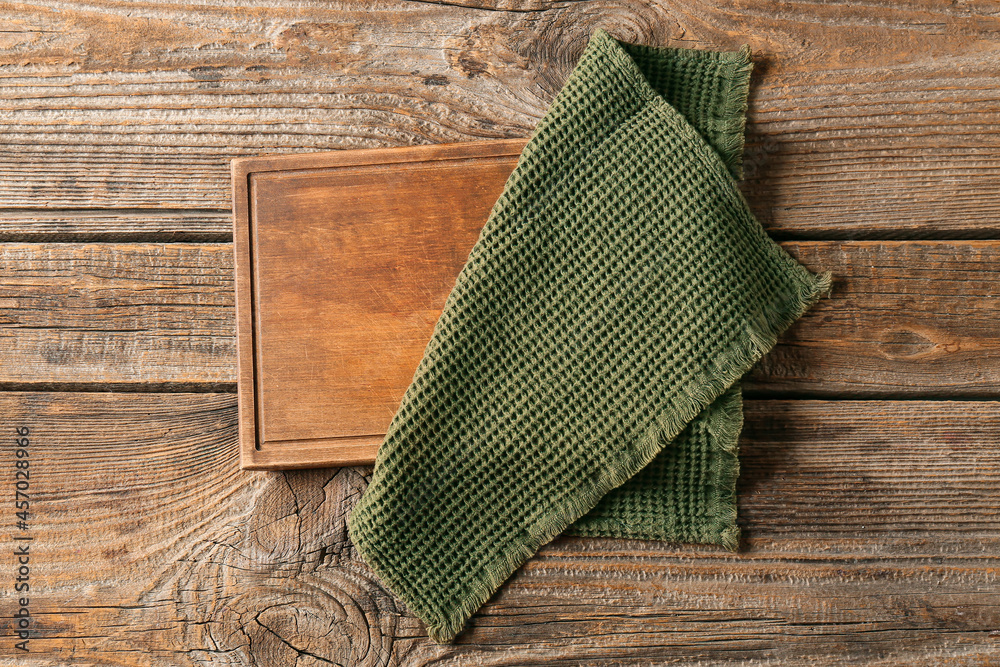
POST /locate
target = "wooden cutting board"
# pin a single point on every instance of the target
(344, 260)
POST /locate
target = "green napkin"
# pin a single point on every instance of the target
(584, 372)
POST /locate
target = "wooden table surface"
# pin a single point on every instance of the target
(870, 494)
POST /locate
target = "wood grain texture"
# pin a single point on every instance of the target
(903, 319)
(914, 318)
(871, 535)
(116, 313)
(874, 120)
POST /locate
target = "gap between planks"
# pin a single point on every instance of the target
(155, 225)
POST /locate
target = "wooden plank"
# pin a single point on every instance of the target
(116, 313)
(370, 240)
(873, 120)
(906, 318)
(872, 534)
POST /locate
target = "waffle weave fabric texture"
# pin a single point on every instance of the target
(583, 376)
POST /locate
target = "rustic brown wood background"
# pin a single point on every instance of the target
(870, 498)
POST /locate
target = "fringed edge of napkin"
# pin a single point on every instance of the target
(728, 131)
(725, 425)
(733, 134)
(724, 420)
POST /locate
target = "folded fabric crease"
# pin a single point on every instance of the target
(584, 374)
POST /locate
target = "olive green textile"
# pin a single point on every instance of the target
(584, 374)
